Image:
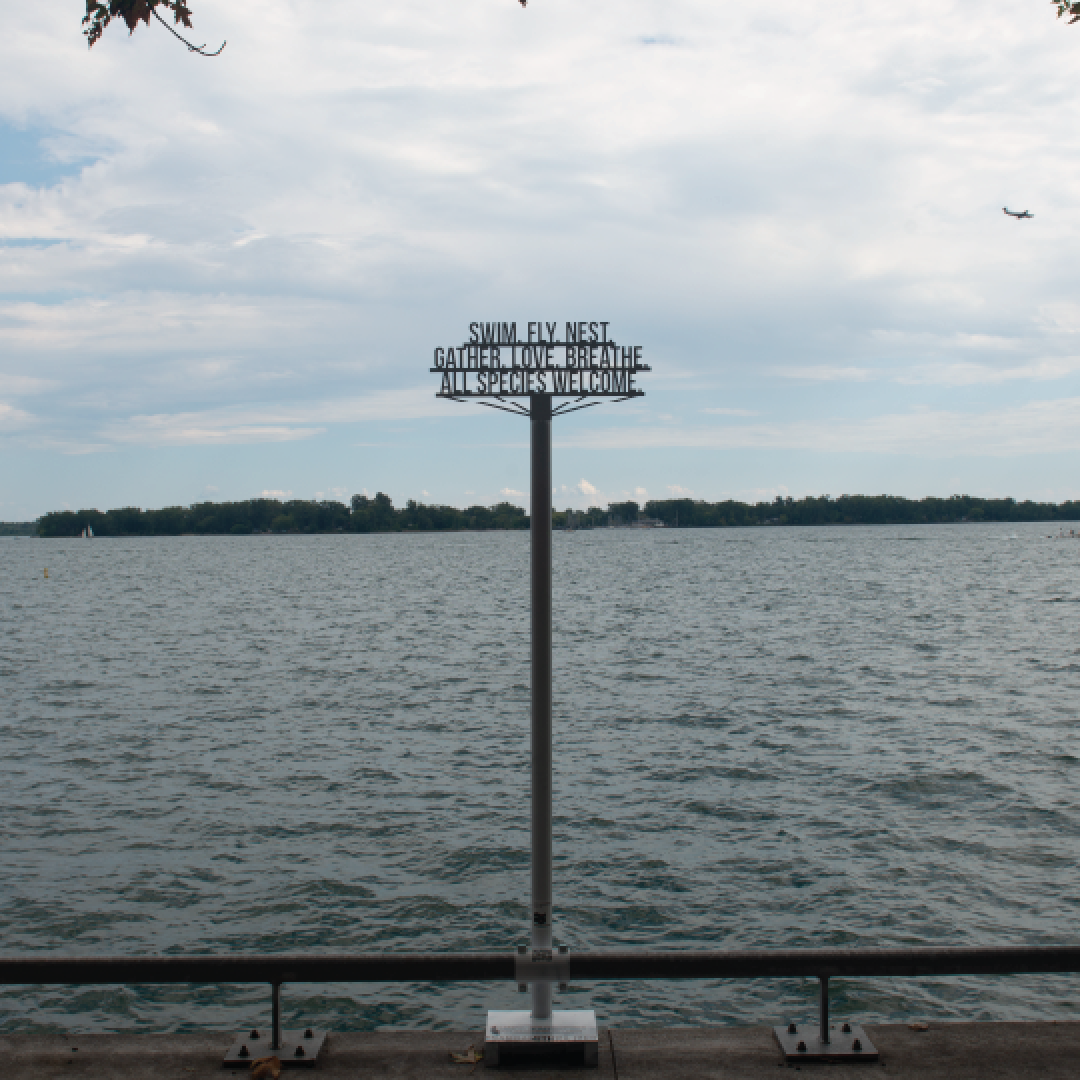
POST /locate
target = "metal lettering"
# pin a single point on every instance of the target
(589, 363)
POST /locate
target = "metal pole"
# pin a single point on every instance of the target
(823, 1007)
(275, 1016)
(540, 573)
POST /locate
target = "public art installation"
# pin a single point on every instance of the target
(583, 369)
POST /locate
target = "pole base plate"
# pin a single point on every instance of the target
(300, 1048)
(847, 1042)
(513, 1035)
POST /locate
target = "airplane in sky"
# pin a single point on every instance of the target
(1016, 213)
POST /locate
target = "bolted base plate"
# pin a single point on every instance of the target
(299, 1048)
(843, 1045)
(570, 1035)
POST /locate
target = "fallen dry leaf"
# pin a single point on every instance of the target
(470, 1057)
(265, 1068)
(919, 1026)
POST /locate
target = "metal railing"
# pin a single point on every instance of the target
(822, 964)
(585, 966)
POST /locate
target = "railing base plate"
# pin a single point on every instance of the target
(570, 1035)
(851, 1045)
(256, 1044)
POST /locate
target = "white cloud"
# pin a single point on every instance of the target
(275, 493)
(678, 491)
(944, 372)
(512, 492)
(13, 419)
(194, 429)
(23, 385)
(268, 423)
(974, 374)
(1039, 427)
(585, 488)
(821, 231)
(826, 373)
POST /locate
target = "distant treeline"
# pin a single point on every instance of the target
(855, 510)
(18, 528)
(379, 514)
(271, 515)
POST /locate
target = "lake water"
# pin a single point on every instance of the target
(772, 737)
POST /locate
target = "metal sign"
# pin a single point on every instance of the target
(495, 363)
(588, 363)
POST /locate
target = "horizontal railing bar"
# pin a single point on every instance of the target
(290, 968)
(590, 966)
(787, 963)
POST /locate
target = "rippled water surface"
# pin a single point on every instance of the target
(778, 737)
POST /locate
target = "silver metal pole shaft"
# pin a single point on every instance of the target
(540, 558)
(823, 1008)
(275, 1016)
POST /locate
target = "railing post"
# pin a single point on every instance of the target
(823, 1017)
(275, 1016)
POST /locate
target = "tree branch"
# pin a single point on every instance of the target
(200, 49)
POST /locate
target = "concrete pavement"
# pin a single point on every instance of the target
(957, 1051)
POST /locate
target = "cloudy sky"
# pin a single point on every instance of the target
(220, 278)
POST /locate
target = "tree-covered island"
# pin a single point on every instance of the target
(378, 514)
